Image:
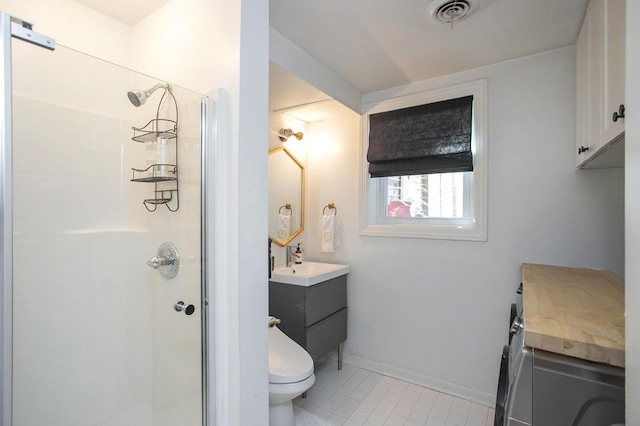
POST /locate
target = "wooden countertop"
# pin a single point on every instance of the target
(574, 311)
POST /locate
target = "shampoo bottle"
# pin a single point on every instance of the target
(163, 148)
(151, 157)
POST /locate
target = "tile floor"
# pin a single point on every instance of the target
(355, 396)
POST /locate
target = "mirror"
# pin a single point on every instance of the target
(286, 196)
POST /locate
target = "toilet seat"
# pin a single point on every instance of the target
(288, 361)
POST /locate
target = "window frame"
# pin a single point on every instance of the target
(373, 220)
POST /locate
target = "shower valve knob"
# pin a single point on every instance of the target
(157, 261)
(181, 307)
(166, 260)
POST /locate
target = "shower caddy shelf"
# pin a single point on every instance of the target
(151, 131)
(163, 176)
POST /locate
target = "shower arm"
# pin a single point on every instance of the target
(148, 92)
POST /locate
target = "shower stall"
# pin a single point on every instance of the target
(103, 241)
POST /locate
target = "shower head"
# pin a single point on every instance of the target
(139, 97)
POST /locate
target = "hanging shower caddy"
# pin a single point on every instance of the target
(164, 176)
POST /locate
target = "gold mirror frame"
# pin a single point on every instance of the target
(275, 205)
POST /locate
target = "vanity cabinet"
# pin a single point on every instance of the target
(313, 316)
(600, 86)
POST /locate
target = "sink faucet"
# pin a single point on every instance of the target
(291, 255)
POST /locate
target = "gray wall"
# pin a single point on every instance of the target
(436, 312)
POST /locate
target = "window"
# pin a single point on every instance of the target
(435, 205)
(439, 195)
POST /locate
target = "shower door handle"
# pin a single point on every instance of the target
(181, 307)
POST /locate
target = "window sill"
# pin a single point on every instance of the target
(435, 232)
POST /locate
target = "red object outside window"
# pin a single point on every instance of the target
(398, 208)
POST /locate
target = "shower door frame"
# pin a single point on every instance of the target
(6, 222)
(208, 133)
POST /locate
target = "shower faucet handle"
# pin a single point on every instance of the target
(166, 260)
(157, 261)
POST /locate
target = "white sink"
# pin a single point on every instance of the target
(308, 273)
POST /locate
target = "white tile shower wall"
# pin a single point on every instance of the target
(205, 27)
(174, 337)
(67, 273)
(96, 335)
(206, 53)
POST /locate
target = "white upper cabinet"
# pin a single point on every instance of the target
(600, 86)
(589, 78)
(614, 34)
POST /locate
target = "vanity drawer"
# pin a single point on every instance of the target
(315, 317)
(324, 299)
(327, 334)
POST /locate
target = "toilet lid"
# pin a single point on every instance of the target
(288, 361)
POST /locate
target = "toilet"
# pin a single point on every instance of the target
(290, 375)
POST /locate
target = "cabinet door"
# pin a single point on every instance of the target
(614, 45)
(595, 13)
(590, 82)
(582, 93)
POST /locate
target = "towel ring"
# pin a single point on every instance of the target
(286, 206)
(330, 206)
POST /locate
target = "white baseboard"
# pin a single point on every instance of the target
(418, 379)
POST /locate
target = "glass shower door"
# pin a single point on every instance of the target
(98, 334)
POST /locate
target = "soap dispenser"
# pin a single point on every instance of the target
(298, 256)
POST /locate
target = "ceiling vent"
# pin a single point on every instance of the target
(449, 11)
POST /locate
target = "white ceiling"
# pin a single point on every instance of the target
(377, 44)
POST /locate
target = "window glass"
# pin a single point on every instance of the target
(426, 196)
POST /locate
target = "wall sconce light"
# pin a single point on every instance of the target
(285, 134)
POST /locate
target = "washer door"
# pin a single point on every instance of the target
(500, 418)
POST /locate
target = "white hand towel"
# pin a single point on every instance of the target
(284, 226)
(328, 233)
(337, 235)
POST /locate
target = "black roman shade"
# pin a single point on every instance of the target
(424, 139)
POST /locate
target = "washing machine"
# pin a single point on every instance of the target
(540, 388)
